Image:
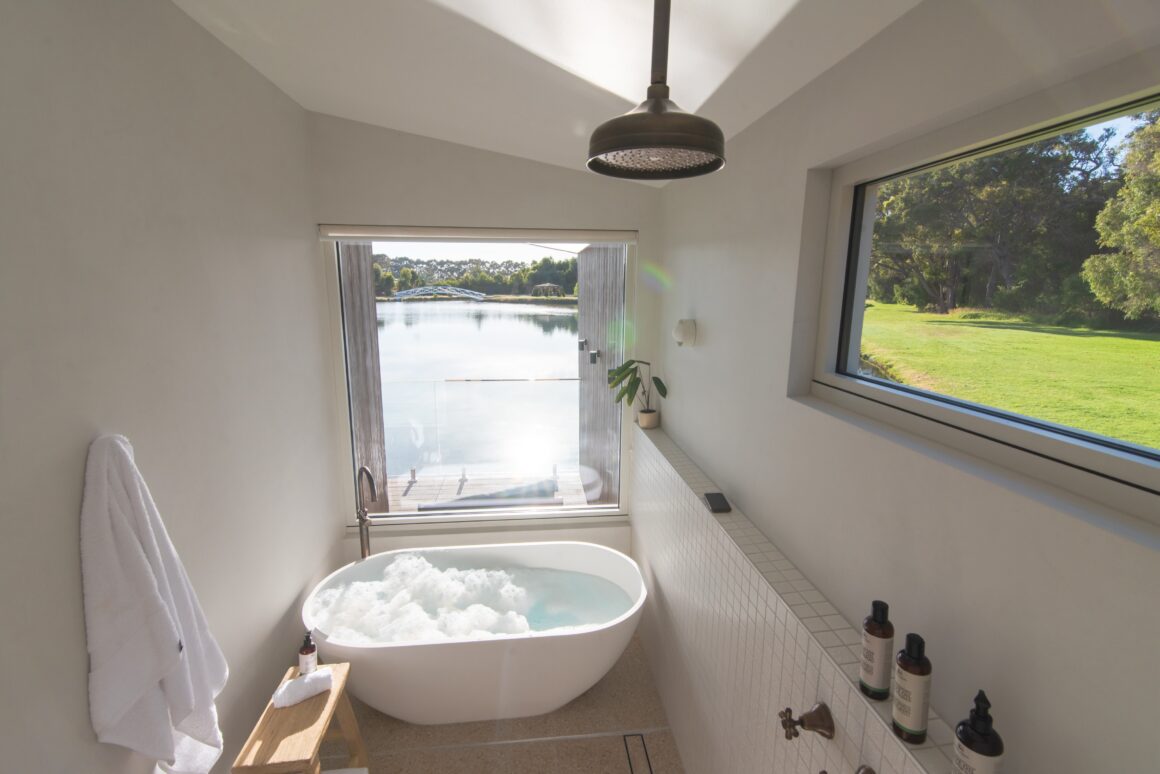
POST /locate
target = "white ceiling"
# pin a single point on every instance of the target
(533, 78)
(608, 42)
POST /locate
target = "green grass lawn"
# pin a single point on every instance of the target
(1105, 382)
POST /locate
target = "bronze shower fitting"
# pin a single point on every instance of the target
(818, 719)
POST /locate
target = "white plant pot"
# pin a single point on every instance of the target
(648, 419)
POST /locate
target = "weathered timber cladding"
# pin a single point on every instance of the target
(360, 326)
(601, 321)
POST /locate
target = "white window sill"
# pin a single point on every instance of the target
(1124, 483)
(498, 519)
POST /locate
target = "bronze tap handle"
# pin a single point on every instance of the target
(818, 719)
(788, 724)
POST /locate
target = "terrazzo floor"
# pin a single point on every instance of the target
(617, 727)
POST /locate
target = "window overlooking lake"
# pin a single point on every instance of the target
(1021, 282)
(476, 389)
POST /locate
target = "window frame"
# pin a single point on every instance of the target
(330, 237)
(1106, 473)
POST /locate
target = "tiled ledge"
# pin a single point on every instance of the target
(867, 736)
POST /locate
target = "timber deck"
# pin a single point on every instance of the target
(442, 485)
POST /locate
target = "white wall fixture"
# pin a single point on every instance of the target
(685, 332)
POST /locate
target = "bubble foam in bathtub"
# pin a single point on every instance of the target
(416, 601)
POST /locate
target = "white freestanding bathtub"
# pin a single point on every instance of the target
(502, 676)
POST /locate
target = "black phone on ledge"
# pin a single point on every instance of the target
(717, 502)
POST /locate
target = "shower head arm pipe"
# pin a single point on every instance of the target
(660, 43)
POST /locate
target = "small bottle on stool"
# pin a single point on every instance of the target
(307, 656)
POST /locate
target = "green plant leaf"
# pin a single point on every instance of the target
(633, 387)
(617, 379)
(661, 389)
(623, 393)
(622, 368)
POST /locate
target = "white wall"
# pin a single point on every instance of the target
(367, 175)
(1017, 587)
(159, 277)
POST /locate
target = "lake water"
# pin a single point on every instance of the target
(487, 386)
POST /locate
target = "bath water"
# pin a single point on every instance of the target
(565, 598)
(416, 601)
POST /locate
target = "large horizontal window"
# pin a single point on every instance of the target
(1020, 283)
(477, 373)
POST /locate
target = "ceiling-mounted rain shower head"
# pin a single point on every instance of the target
(657, 140)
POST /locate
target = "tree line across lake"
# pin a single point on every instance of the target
(1065, 230)
(393, 274)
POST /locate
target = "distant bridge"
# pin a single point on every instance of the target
(431, 291)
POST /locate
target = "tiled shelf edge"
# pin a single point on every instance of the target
(797, 597)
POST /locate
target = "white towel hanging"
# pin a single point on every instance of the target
(154, 668)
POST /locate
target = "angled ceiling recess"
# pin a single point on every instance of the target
(657, 140)
(532, 78)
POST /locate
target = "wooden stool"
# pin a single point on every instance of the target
(286, 740)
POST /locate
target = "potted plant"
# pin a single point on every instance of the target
(632, 385)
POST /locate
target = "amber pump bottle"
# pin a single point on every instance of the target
(877, 650)
(978, 747)
(911, 691)
(307, 656)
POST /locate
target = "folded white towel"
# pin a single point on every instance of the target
(302, 688)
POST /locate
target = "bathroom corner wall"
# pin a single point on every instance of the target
(160, 277)
(735, 633)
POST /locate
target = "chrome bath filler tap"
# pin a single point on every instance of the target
(364, 521)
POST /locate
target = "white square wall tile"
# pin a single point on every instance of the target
(892, 753)
(939, 733)
(828, 639)
(933, 760)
